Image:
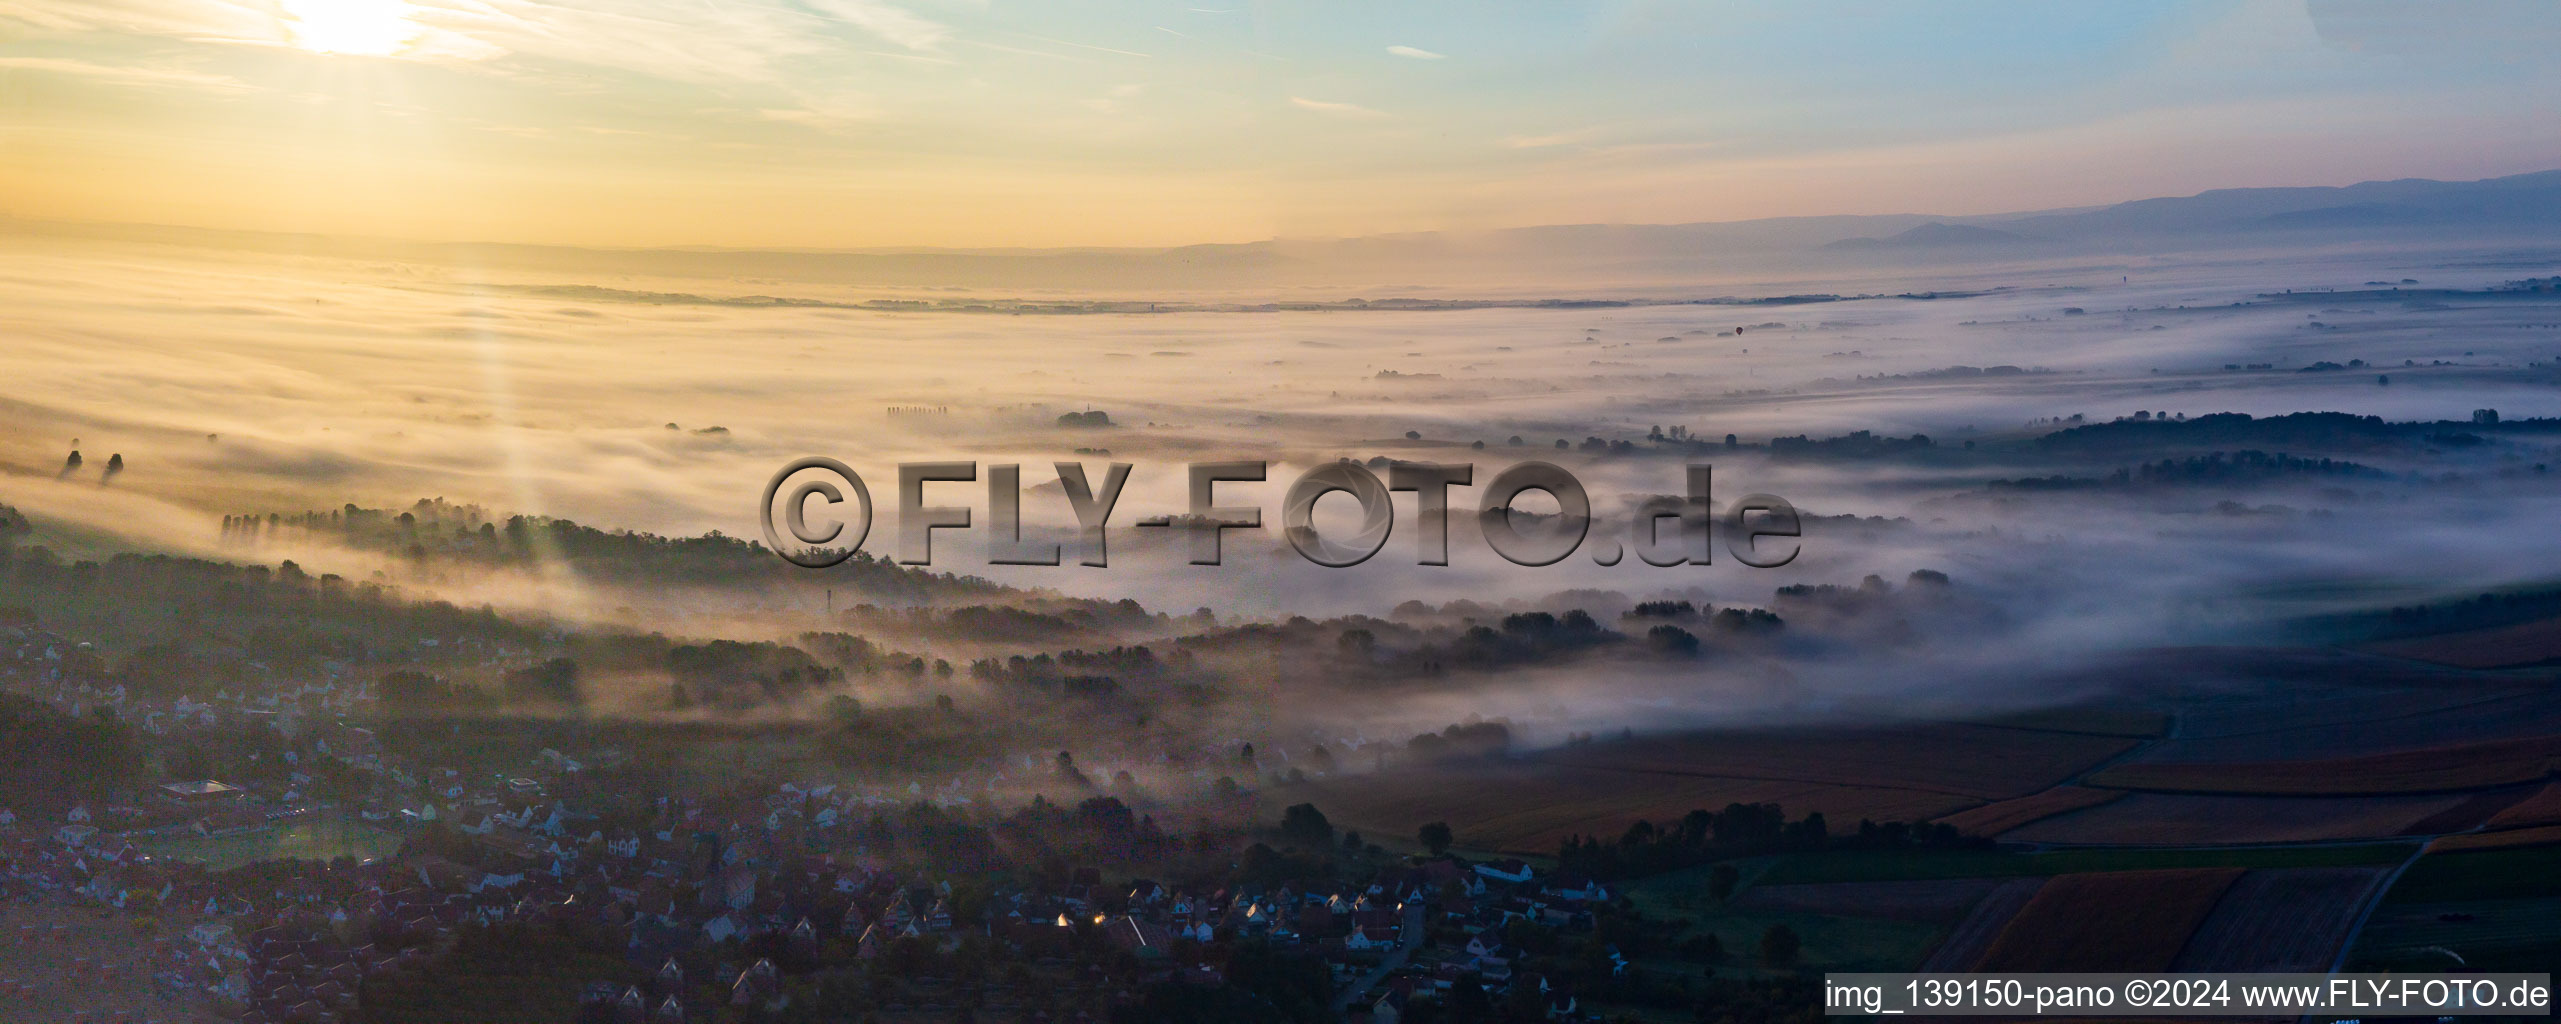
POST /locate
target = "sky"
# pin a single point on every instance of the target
(981, 123)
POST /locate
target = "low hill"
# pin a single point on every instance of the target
(1933, 235)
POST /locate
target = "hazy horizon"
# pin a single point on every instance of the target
(866, 123)
(1843, 220)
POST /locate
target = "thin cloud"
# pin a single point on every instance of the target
(1111, 101)
(1030, 52)
(1084, 46)
(894, 24)
(1335, 109)
(1578, 135)
(919, 58)
(158, 78)
(829, 113)
(204, 19)
(1416, 52)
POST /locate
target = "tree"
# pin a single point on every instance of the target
(1356, 643)
(408, 690)
(551, 682)
(1672, 640)
(190, 763)
(1305, 825)
(57, 760)
(1721, 880)
(1467, 998)
(1779, 946)
(1435, 837)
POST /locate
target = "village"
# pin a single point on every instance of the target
(543, 893)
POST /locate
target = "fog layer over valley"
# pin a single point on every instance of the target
(2016, 477)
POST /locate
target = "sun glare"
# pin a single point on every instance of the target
(372, 27)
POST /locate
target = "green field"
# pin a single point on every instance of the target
(1840, 942)
(1683, 893)
(1884, 866)
(1831, 942)
(2523, 873)
(310, 839)
(2489, 935)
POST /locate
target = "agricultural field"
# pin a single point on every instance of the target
(2114, 921)
(2474, 812)
(2001, 816)
(2137, 723)
(1934, 900)
(2539, 835)
(1838, 932)
(1966, 943)
(1967, 760)
(2344, 720)
(2481, 765)
(2525, 643)
(1867, 866)
(2521, 873)
(1890, 772)
(2487, 935)
(1524, 807)
(2162, 819)
(1831, 942)
(1685, 892)
(2493, 909)
(2280, 919)
(2542, 808)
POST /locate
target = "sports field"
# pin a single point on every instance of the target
(303, 839)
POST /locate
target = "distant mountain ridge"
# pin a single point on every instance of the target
(2520, 200)
(2523, 207)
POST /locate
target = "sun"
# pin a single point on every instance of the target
(369, 27)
